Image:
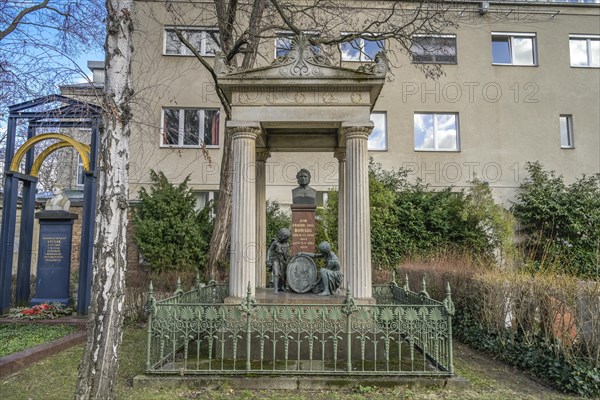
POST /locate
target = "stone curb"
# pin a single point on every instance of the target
(17, 361)
(305, 383)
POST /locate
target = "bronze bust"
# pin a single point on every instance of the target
(304, 194)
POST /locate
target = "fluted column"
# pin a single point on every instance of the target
(340, 154)
(358, 226)
(261, 217)
(243, 219)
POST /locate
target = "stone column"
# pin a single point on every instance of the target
(261, 217)
(340, 154)
(358, 226)
(243, 219)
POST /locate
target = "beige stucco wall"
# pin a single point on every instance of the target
(508, 114)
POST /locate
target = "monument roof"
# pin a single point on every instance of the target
(303, 67)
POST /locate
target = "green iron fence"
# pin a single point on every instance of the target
(405, 333)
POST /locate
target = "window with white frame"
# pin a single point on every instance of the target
(566, 131)
(283, 43)
(514, 48)
(360, 49)
(203, 198)
(205, 41)
(190, 127)
(436, 132)
(80, 172)
(378, 137)
(437, 49)
(585, 50)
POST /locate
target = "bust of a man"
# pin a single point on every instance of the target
(58, 202)
(304, 194)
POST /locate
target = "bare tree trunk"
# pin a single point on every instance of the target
(98, 367)
(221, 236)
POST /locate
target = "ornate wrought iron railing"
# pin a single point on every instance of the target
(194, 332)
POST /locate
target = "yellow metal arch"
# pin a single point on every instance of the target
(37, 164)
(82, 149)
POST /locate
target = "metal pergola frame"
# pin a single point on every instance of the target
(73, 114)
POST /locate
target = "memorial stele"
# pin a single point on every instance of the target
(300, 103)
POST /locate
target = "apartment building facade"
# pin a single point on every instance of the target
(515, 88)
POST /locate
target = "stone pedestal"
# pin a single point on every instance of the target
(303, 228)
(54, 258)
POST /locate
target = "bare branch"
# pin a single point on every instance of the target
(17, 20)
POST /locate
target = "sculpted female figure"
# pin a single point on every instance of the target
(331, 275)
(58, 201)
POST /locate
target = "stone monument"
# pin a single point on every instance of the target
(54, 260)
(304, 205)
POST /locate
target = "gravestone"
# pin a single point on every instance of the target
(54, 258)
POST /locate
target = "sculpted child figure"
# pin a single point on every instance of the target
(331, 275)
(278, 257)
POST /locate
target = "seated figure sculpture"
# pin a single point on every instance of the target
(331, 275)
(278, 257)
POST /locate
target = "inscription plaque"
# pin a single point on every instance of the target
(301, 274)
(54, 261)
(303, 228)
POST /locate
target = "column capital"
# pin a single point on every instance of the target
(356, 132)
(244, 132)
(262, 154)
(340, 154)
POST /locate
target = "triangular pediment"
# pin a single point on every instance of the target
(302, 66)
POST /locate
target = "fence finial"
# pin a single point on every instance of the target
(179, 290)
(349, 304)
(197, 280)
(448, 304)
(423, 293)
(394, 277)
(248, 302)
(406, 285)
(150, 306)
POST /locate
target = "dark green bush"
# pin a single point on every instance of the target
(561, 222)
(410, 220)
(170, 234)
(276, 219)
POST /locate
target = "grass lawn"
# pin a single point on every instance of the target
(54, 379)
(17, 337)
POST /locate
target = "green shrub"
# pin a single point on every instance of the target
(170, 233)
(561, 222)
(276, 219)
(409, 220)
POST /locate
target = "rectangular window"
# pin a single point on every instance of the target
(205, 41)
(585, 50)
(436, 132)
(436, 49)
(566, 131)
(80, 172)
(190, 127)
(514, 49)
(378, 137)
(360, 49)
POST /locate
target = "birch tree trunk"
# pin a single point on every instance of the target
(98, 367)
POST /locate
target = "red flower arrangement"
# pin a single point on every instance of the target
(42, 311)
